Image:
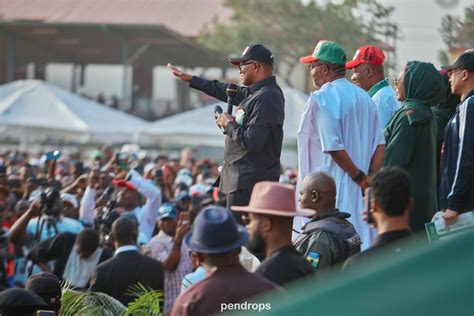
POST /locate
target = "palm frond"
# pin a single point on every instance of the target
(147, 301)
(89, 303)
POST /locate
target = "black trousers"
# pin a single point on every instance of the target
(239, 198)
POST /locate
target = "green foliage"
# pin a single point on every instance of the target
(291, 28)
(89, 304)
(147, 302)
(458, 33)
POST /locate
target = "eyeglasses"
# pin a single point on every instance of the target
(245, 64)
(396, 81)
(311, 67)
(245, 219)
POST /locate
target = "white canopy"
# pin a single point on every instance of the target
(38, 111)
(198, 128)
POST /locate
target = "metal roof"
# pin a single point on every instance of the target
(87, 43)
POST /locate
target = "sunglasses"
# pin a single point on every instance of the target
(311, 67)
(246, 63)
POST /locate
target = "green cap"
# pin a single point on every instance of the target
(327, 51)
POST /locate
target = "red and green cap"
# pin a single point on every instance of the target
(370, 55)
(327, 51)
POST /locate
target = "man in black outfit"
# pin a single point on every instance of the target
(328, 238)
(76, 256)
(390, 208)
(255, 135)
(128, 267)
(270, 221)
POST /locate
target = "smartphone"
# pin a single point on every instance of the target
(158, 173)
(185, 217)
(45, 313)
(368, 203)
(53, 155)
(121, 161)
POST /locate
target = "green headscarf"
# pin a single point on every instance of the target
(423, 84)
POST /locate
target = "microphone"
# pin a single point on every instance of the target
(231, 91)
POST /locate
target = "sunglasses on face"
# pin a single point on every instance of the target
(311, 67)
(242, 65)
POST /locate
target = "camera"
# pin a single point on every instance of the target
(51, 203)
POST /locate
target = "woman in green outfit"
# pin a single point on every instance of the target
(410, 136)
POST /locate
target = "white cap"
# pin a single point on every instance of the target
(71, 198)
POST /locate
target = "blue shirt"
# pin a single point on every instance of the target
(63, 225)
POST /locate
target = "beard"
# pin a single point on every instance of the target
(257, 246)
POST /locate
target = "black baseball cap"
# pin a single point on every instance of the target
(47, 286)
(16, 301)
(256, 52)
(465, 61)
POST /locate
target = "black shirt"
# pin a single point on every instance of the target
(285, 265)
(387, 241)
(252, 149)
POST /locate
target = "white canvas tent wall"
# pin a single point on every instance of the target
(198, 128)
(35, 111)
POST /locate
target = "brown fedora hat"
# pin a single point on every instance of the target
(273, 198)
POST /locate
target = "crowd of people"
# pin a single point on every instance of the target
(207, 235)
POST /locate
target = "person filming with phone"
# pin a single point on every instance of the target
(167, 247)
(388, 204)
(255, 134)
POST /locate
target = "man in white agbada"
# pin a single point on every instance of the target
(340, 134)
(367, 73)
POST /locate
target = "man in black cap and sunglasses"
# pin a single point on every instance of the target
(457, 182)
(255, 134)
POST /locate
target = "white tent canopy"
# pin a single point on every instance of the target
(38, 111)
(198, 128)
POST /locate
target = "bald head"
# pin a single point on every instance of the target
(318, 192)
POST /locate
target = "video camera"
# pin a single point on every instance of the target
(51, 203)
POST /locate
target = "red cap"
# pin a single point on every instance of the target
(122, 183)
(366, 55)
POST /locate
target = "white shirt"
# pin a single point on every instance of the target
(340, 116)
(78, 271)
(386, 102)
(125, 248)
(146, 214)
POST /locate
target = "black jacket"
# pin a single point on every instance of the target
(115, 276)
(253, 149)
(328, 240)
(58, 248)
(457, 182)
(386, 244)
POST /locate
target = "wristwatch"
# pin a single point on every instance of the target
(359, 177)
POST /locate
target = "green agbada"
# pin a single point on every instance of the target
(411, 140)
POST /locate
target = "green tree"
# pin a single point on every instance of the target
(457, 33)
(291, 28)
